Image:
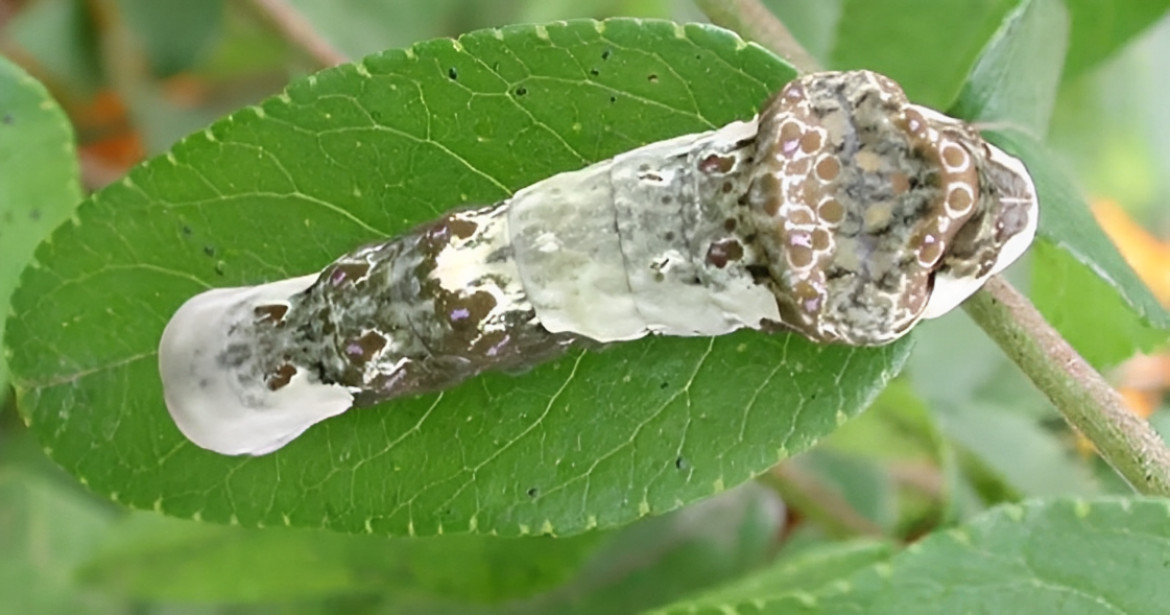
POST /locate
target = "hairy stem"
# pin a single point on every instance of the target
(755, 22)
(1081, 395)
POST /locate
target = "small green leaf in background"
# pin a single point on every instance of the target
(49, 525)
(655, 561)
(358, 28)
(38, 179)
(1016, 77)
(927, 47)
(364, 151)
(1061, 557)
(1044, 556)
(1090, 313)
(802, 572)
(174, 33)
(152, 558)
(1110, 130)
(158, 559)
(59, 35)
(1099, 29)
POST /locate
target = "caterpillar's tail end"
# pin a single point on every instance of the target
(214, 383)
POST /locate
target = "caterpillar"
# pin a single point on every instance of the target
(841, 212)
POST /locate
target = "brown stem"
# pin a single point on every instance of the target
(826, 508)
(755, 22)
(1081, 395)
(921, 477)
(297, 30)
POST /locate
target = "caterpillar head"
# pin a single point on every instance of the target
(875, 213)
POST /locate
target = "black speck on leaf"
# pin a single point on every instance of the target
(533, 492)
(682, 464)
(612, 99)
(521, 91)
(209, 250)
(664, 386)
(452, 73)
(594, 72)
(219, 268)
(652, 78)
(187, 230)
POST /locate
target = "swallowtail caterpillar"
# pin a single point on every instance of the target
(841, 212)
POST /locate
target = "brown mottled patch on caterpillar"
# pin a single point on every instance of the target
(281, 377)
(342, 272)
(270, 313)
(722, 252)
(715, 163)
(362, 350)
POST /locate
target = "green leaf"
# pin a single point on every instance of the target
(1019, 450)
(38, 178)
(805, 572)
(358, 28)
(159, 559)
(1080, 282)
(1058, 556)
(60, 37)
(174, 34)
(1089, 311)
(536, 11)
(363, 151)
(660, 559)
(47, 527)
(813, 24)
(1101, 28)
(927, 47)
(1016, 77)
(153, 558)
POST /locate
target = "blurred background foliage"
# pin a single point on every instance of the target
(960, 431)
